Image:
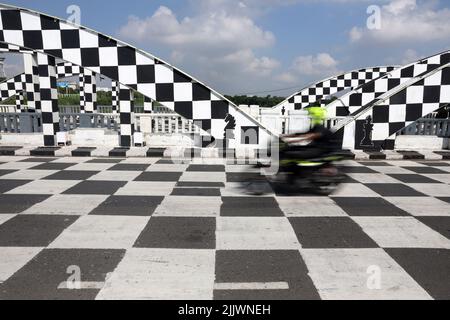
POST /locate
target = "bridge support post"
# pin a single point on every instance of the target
(88, 92)
(126, 102)
(32, 82)
(148, 105)
(49, 98)
(20, 101)
(115, 96)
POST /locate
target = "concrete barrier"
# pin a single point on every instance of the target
(415, 143)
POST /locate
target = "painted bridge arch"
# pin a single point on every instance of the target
(330, 86)
(408, 94)
(132, 68)
(369, 93)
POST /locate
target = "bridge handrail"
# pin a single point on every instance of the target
(428, 127)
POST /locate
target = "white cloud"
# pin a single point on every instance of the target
(214, 44)
(287, 78)
(410, 56)
(407, 21)
(213, 30)
(321, 64)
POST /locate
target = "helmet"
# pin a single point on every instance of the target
(317, 114)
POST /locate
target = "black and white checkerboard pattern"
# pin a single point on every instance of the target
(11, 87)
(126, 108)
(148, 105)
(353, 101)
(88, 91)
(130, 67)
(66, 69)
(331, 86)
(20, 100)
(27, 83)
(115, 96)
(5, 47)
(157, 229)
(49, 98)
(32, 82)
(399, 111)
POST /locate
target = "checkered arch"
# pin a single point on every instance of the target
(368, 93)
(377, 126)
(331, 86)
(25, 84)
(129, 66)
(11, 87)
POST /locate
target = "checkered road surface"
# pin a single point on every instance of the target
(149, 228)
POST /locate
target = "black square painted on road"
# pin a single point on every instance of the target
(8, 185)
(244, 177)
(357, 170)
(128, 206)
(33, 230)
(425, 170)
(254, 266)
(439, 224)
(53, 166)
(394, 190)
(368, 207)
(413, 178)
(105, 160)
(375, 164)
(36, 159)
(5, 172)
(71, 175)
(428, 267)
(250, 207)
(206, 168)
(178, 233)
(200, 184)
(196, 192)
(129, 167)
(330, 232)
(159, 176)
(41, 278)
(96, 187)
(446, 199)
(17, 203)
(436, 164)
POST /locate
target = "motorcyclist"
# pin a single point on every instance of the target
(315, 143)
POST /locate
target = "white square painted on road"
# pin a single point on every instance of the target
(421, 206)
(45, 187)
(13, 259)
(255, 234)
(77, 205)
(343, 274)
(179, 206)
(162, 274)
(101, 232)
(310, 207)
(402, 232)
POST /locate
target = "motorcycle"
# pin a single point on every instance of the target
(319, 175)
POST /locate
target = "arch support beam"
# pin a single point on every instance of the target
(32, 82)
(88, 91)
(126, 105)
(49, 98)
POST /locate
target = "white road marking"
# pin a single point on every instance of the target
(252, 286)
(82, 285)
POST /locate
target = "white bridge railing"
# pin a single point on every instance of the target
(167, 123)
(8, 109)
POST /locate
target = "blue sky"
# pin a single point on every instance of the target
(253, 46)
